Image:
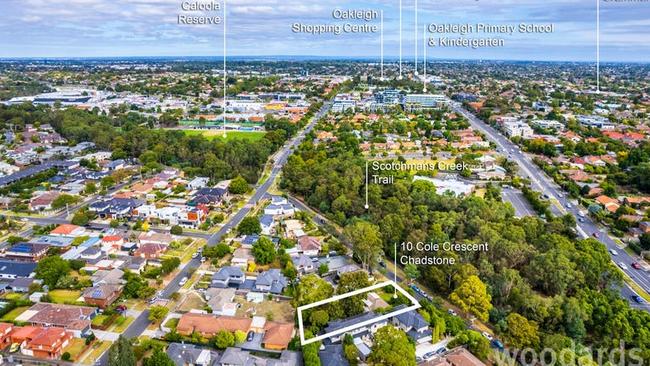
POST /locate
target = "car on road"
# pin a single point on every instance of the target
(183, 281)
(637, 299)
(636, 265)
(613, 252)
(580, 219)
(595, 234)
(622, 265)
(568, 205)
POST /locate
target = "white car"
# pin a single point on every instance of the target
(622, 265)
(613, 252)
(183, 281)
(488, 336)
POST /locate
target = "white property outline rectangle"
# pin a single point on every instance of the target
(358, 325)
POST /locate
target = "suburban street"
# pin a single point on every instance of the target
(542, 183)
(141, 323)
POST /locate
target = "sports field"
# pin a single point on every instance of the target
(230, 135)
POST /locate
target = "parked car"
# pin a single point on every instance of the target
(637, 299)
(183, 281)
(488, 336)
(452, 312)
(250, 336)
(636, 265)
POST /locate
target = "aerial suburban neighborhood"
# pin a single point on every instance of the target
(353, 184)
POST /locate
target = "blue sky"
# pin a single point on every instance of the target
(106, 28)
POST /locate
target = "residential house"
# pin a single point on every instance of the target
(272, 281)
(28, 252)
(102, 295)
(108, 277)
(114, 208)
(337, 325)
(150, 251)
(191, 355)
(5, 331)
(208, 325)
(303, 264)
(374, 302)
(41, 342)
(332, 355)
(277, 335)
(268, 224)
(75, 319)
(228, 277)
(309, 245)
(15, 269)
(458, 356)
(152, 237)
(413, 324)
(241, 257)
(43, 201)
(112, 243)
(221, 301)
(68, 230)
(198, 183)
(21, 285)
(209, 197)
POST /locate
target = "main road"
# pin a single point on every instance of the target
(585, 226)
(141, 323)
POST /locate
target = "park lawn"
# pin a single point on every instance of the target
(12, 315)
(64, 296)
(75, 348)
(213, 134)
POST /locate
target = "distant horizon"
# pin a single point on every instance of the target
(306, 58)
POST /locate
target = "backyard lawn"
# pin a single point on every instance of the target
(280, 310)
(10, 316)
(64, 296)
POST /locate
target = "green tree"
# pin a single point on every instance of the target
(349, 282)
(249, 225)
(366, 242)
(158, 358)
(412, 271)
(264, 251)
(472, 296)
(51, 269)
(521, 332)
(311, 289)
(224, 339)
(176, 230)
(475, 342)
(63, 200)
(319, 318)
(80, 218)
(121, 353)
(240, 336)
(157, 313)
(392, 347)
(238, 185)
